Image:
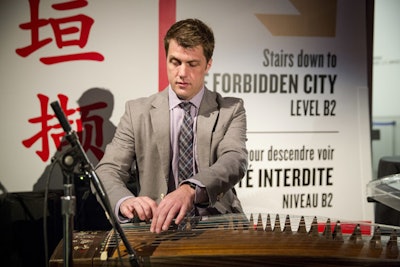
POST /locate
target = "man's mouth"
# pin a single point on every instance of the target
(182, 84)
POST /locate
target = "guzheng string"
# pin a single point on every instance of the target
(218, 222)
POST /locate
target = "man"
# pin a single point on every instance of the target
(149, 133)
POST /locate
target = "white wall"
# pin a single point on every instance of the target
(386, 68)
(386, 79)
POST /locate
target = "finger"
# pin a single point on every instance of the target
(159, 217)
(140, 211)
(167, 222)
(161, 222)
(154, 224)
(144, 208)
(134, 207)
(149, 208)
(181, 215)
(127, 211)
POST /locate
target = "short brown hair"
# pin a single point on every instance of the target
(189, 33)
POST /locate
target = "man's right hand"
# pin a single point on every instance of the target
(142, 207)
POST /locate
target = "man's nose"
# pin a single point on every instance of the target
(182, 70)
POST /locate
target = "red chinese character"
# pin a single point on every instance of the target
(62, 33)
(87, 123)
(88, 127)
(46, 127)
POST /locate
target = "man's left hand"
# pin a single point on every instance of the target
(175, 205)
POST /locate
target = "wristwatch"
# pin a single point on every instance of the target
(192, 185)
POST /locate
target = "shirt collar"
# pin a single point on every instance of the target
(175, 101)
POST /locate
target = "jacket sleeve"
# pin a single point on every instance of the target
(228, 155)
(113, 169)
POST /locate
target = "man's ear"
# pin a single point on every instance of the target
(209, 63)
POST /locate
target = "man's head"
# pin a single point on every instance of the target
(189, 33)
(189, 46)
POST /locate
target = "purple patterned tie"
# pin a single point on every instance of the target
(186, 144)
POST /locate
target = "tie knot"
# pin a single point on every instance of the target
(185, 106)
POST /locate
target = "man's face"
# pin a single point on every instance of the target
(186, 69)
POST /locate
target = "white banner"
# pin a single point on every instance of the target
(300, 67)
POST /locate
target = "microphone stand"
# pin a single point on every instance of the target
(68, 206)
(69, 160)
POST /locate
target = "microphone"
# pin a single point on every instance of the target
(77, 153)
(61, 116)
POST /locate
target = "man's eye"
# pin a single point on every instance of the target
(175, 62)
(193, 64)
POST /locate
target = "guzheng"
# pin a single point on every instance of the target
(233, 240)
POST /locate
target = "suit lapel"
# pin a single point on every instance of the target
(161, 125)
(208, 114)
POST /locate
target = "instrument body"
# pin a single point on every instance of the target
(228, 241)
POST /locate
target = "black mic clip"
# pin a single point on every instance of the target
(70, 159)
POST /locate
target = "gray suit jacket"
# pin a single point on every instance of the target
(144, 134)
